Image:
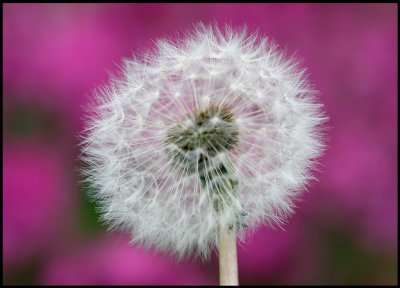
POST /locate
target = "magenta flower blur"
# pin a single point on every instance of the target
(110, 261)
(35, 206)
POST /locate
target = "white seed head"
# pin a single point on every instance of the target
(218, 128)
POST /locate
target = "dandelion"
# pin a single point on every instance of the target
(203, 139)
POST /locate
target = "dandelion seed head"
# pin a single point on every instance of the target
(217, 128)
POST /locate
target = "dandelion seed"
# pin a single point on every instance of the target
(216, 130)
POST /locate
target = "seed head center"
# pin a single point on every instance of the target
(210, 131)
(200, 143)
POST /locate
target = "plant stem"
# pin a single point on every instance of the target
(228, 267)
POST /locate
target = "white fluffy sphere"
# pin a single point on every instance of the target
(218, 128)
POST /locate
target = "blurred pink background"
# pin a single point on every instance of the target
(345, 228)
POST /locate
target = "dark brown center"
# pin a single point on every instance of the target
(212, 130)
